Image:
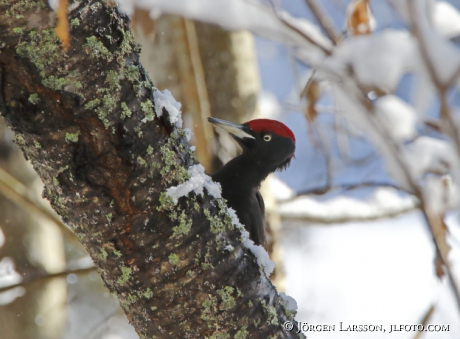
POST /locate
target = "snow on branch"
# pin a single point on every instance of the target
(234, 15)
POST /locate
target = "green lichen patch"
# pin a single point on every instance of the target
(42, 49)
(166, 202)
(147, 294)
(93, 103)
(56, 83)
(185, 224)
(147, 108)
(132, 73)
(117, 253)
(18, 30)
(171, 169)
(125, 275)
(207, 261)
(136, 296)
(138, 131)
(149, 150)
(19, 140)
(272, 317)
(74, 22)
(34, 99)
(17, 8)
(174, 259)
(109, 217)
(125, 111)
(96, 49)
(242, 333)
(215, 222)
(209, 310)
(113, 80)
(130, 299)
(71, 137)
(228, 301)
(141, 161)
(103, 255)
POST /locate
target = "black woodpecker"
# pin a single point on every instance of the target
(268, 145)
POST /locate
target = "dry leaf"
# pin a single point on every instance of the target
(359, 18)
(439, 231)
(62, 28)
(312, 94)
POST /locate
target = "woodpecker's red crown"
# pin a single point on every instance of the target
(271, 126)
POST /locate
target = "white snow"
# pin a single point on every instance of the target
(259, 252)
(446, 19)
(280, 190)
(426, 154)
(440, 194)
(197, 182)
(54, 4)
(166, 100)
(9, 276)
(443, 55)
(382, 202)
(289, 302)
(188, 133)
(235, 15)
(399, 117)
(378, 60)
(367, 273)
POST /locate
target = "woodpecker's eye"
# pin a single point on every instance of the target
(267, 137)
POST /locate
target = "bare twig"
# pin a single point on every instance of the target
(448, 125)
(325, 21)
(45, 276)
(424, 321)
(345, 187)
(326, 51)
(394, 148)
(16, 192)
(91, 332)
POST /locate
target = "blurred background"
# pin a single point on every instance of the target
(350, 243)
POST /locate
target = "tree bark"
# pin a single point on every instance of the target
(85, 119)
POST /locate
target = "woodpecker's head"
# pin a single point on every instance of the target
(269, 142)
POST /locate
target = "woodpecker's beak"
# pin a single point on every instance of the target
(236, 130)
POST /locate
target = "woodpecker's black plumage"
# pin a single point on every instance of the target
(268, 145)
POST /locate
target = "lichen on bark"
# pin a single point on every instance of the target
(85, 119)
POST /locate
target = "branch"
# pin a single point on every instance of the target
(345, 187)
(106, 148)
(305, 36)
(393, 149)
(16, 192)
(39, 276)
(448, 125)
(325, 21)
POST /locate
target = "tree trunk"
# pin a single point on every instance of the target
(86, 121)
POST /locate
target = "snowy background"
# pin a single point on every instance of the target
(370, 272)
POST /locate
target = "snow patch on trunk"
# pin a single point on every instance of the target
(197, 182)
(259, 252)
